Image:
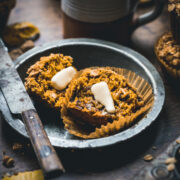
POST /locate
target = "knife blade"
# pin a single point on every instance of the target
(20, 103)
(11, 85)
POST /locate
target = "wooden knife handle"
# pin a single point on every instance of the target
(46, 154)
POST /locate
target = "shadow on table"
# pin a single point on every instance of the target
(109, 158)
(160, 134)
(93, 160)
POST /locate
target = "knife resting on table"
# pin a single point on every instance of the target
(20, 103)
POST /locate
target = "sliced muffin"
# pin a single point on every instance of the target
(39, 80)
(82, 113)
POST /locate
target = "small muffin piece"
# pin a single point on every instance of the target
(168, 54)
(82, 104)
(39, 84)
(16, 34)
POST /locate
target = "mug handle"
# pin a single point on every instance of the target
(149, 16)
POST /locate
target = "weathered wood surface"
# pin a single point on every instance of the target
(119, 162)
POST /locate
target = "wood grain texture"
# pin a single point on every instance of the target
(121, 162)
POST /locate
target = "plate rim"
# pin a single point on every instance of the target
(122, 136)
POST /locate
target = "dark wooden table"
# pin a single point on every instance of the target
(122, 161)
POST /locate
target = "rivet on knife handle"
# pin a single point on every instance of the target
(45, 153)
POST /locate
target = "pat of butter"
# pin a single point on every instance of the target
(102, 94)
(61, 79)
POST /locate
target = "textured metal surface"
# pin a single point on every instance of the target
(89, 52)
(157, 169)
(11, 84)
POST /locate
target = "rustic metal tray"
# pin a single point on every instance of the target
(89, 52)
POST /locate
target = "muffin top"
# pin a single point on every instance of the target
(38, 81)
(168, 50)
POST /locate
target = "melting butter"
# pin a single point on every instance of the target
(61, 79)
(102, 94)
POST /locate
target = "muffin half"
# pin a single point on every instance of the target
(38, 82)
(86, 117)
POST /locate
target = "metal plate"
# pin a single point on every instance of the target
(89, 52)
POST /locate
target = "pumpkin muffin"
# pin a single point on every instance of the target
(82, 114)
(174, 6)
(168, 54)
(38, 82)
(16, 34)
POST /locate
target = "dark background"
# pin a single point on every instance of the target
(122, 161)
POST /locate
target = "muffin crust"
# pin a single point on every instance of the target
(168, 51)
(38, 82)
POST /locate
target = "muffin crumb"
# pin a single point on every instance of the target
(170, 160)
(29, 44)
(8, 161)
(171, 167)
(148, 157)
(17, 147)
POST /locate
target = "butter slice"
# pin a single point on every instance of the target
(102, 94)
(61, 79)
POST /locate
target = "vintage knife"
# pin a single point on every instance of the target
(20, 103)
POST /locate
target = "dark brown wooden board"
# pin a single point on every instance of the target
(121, 162)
